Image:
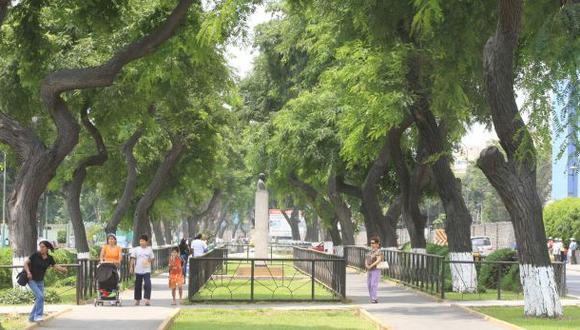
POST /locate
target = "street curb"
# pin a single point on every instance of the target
(491, 319)
(48, 318)
(169, 320)
(380, 325)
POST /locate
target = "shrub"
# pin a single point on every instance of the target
(5, 274)
(61, 236)
(489, 272)
(61, 256)
(511, 281)
(15, 296)
(562, 219)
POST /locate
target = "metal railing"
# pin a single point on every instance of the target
(308, 276)
(331, 274)
(246, 250)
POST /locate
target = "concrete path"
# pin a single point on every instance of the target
(402, 308)
(573, 280)
(127, 317)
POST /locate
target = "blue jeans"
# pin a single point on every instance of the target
(37, 288)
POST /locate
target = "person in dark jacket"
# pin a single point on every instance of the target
(35, 267)
(184, 255)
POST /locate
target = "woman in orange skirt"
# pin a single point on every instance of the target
(175, 274)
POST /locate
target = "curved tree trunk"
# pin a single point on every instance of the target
(514, 178)
(157, 231)
(38, 162)
(293, 220)
(185, 229)
(458, 219)
(342, 211)
(73, 188)
(130, 184)
(155, 187)
(193, 225)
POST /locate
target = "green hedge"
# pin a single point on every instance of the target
(488, 274)
(562, 219)
(19, 295)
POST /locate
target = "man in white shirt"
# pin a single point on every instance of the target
(198, 246)
(141, 258)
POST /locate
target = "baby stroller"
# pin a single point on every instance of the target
(107, 285)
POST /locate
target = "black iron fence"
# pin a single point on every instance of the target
(243, 250)
(307, 276)
(474, 280)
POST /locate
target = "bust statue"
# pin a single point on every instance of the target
(262, 181)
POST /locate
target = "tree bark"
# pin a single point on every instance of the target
(193, 225)
(312, 226)
(156, 187)
(293, 220)
(185, 228)
(410, 192)
(342, 211)
(130, 184)
(72, 189)
(514, 178)
(39, 163)
(167, 230)
(157, 231)
(3, 10)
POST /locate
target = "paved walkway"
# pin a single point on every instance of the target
(402, 308)
(398, 307)
(127, 317)
(573, 280)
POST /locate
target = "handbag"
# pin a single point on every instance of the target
(383, 265)
(22, 278)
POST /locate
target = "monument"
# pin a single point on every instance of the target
(261, 216)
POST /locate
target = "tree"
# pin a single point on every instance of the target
(513, 175)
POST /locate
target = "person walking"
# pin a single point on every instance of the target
(557, 248)
(111, 252)
(184, 255)
(35, 268)
(373, 273)
(198, 246)
(175, 274)
(141, 258)
(572, 251)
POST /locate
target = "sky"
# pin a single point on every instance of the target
(240, 58)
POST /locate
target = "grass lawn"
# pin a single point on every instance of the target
(515, 315)
(489, 295)
(291, 285)
(264, 319)
(13, 321)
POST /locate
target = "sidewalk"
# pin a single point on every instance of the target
(400, 308)
(127, 317)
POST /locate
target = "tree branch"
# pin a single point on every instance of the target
(23, 140)
(346, 188)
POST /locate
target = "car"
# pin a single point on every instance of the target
(481, 245)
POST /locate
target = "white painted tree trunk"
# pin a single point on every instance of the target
(463, 275)
(83, 255)
(419, 250)
(541, 296)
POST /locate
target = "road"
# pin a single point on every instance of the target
(573, 282)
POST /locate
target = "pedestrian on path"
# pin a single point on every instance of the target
(175, 274)
(141, 258)
(198, 246)
(373, 273)
(35, 267)
(111, 252)
(184, 253)
(572, 251)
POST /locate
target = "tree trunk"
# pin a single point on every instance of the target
(167, 230)
(293, 220)
(38, 162)
(342, 211)
(155, 187)
(3, 10)
(157, 231)
(192, 223)
(334, 232)
(130, 184)
(410, 194)
(458, 219)
(72, 189)
(185, 228)
(514, 178)
(312, 227)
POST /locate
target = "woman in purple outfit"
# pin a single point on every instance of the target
(374, 274)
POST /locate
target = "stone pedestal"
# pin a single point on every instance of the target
(262, 224)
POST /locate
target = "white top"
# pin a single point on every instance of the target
(198, 247)
(143, 258)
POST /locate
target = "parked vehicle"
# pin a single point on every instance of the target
(481, 245)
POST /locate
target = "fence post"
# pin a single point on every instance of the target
(78, 289)
(252, 282)
(499, 282)
(312, 278)
(443, 280)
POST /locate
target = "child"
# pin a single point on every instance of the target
(141, 258)
(175, 274)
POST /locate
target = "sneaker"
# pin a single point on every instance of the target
(38, 319)
(374, 301)
(137, 302)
